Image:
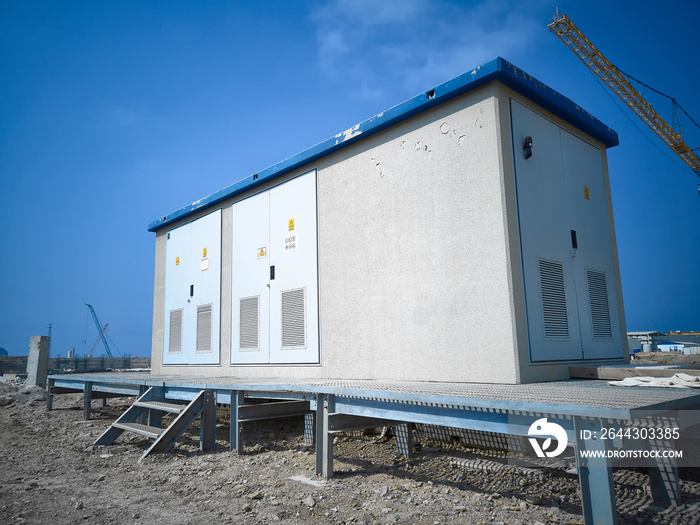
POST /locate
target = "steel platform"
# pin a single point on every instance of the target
(578, 406)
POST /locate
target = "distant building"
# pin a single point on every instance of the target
(661, 342)
(647, 338)
(670, 346)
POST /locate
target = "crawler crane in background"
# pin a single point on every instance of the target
(101, 331)
(618, 82)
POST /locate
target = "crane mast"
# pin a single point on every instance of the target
(92, 348)
(100, 330)
(618, 83)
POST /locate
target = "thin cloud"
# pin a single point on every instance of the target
(372, 45)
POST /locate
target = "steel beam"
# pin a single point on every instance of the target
(448, 416)
(320, 422)
(49, 394)
(87, 400)
(237, 399)
(272, 410)
(595, 475)
(345, 423)
(207, 435)
(327, 450)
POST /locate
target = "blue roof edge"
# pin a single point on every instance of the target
(496, 69)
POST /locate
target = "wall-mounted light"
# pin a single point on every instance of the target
(527, 147)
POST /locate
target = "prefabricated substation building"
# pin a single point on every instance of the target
(465, 235)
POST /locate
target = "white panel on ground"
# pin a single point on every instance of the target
(250, 282)
(193, 292)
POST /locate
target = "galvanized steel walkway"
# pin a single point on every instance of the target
(341, 405)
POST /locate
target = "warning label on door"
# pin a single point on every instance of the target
(291, 242)
(262, 252)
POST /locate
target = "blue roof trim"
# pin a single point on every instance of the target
(496, 69)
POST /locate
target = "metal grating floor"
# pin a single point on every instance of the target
(577, 393)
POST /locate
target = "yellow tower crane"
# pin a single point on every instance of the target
(618, 83)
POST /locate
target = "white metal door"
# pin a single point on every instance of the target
(594, 269)
(566, 242)
(193, 292)
(294, 290)
(250, 341)
(545, 236)
(275, 276)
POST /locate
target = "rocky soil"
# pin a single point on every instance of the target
(51, 473)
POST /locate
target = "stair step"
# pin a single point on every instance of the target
(138, 428)
(160, 405)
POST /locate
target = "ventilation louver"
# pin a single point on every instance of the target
(204, 328)
(294, 318)
(556, 319)
(600, 309)
(249, 317)
(175, 332)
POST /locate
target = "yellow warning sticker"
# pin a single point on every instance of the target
(262, 252)
(177, 261)
(586, 193)
(291, 225)
(204, 252)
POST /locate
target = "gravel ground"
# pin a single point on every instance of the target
(51, 473)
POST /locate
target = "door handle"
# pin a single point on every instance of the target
(272, 273)
(192, 290)
(574, 243)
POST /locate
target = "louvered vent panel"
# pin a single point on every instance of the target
(204, 328)
(556, 319)
(600, 309)
(175, 335)
(249, 316)
(294, 318)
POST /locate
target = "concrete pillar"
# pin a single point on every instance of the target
(38, 361)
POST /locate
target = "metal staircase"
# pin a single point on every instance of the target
(145, 417)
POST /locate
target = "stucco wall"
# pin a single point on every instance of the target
(412, 251)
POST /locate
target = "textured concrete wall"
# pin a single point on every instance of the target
(158, 304)
(412, 252)
(38, 361)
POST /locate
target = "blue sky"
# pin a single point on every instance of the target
(116, 113)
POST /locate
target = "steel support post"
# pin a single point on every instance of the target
(594, 474)
(207, 435)
(49, 395)
(404, 439)
(320, 400)
(87, 400)
(236, 432)
(327, 450)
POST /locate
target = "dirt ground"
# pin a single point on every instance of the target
(51, 473)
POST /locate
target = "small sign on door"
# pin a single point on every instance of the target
(291, 242)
